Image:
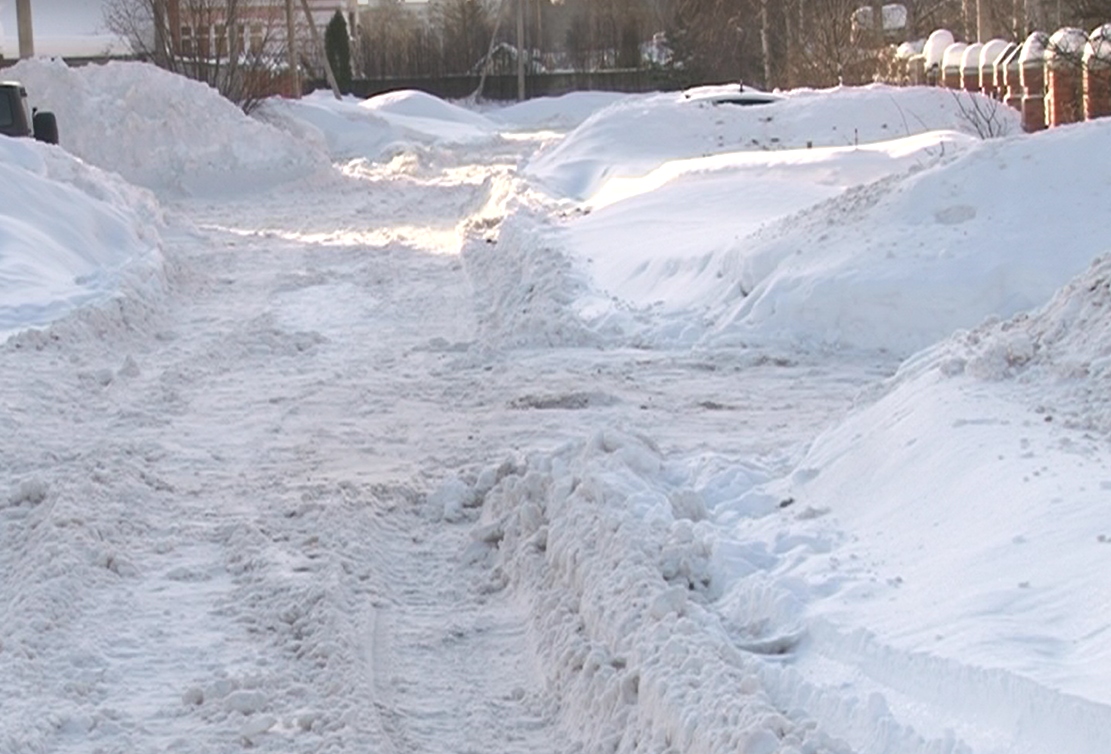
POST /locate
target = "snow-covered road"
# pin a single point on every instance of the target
(248, 516)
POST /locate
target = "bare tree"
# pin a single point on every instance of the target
(464, 28)
(235, 46)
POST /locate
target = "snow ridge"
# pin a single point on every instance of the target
(629, 647)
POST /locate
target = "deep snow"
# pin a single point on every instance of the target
(400, 426)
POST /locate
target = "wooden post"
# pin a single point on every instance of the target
(520, 50)
(291, 49)
(323, 52)
(26, 32)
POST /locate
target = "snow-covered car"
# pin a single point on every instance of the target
(730, 94)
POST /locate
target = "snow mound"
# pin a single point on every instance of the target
(426, 117)
(161, 130)
(566, 111)
(637, 134)
(343, 128)
(418, 104)
(525, 289)
(54, 262)
(594, 539)
(975, 486)
(903, 262)
(1062, 350)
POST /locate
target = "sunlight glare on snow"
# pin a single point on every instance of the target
(424, 238)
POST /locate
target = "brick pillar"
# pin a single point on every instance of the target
(1097, 91)
(1033, 95)
(1097, 74)
(951, 65)
(1011, 89)
(1062, 101)
(970, 68)
(916, 70)
(1032, 74)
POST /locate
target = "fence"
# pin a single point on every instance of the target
(1051, 79)
(504, 87)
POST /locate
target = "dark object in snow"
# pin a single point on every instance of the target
(787, 502)
(17, 120)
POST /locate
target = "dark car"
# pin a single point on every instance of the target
(16, 119)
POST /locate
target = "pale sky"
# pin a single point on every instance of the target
(61, 27)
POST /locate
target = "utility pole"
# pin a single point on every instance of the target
(160, 46)
(26, 33)
(323, 51)
(291, 49)
(521, 50)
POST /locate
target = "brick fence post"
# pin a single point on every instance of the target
(970, 67)
(1032, 62)
(1064, 96)
(1097, 74)
(988, 57)
(951, 65)
(1011, 72)
(916, 70)
(934, 52)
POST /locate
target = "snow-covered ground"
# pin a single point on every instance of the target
(599, 423)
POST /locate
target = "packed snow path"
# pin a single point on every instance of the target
(231, 527)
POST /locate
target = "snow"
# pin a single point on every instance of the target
(954, 55)
(936, 45)
(970, 58)
(993, 51)
(1098, 49)
(1034, 48)
(1067, 43)
(623, 423)
(162, 131)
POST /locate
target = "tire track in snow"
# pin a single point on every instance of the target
(453, 667)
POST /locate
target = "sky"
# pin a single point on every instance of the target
(625, 422)
(61, 27)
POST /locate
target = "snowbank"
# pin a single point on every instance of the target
(636, 135)
(953, 531)
(341, 127)
(162, 131)
(904, 262)
(564, 112)
(609, 556)
(426, 117)
(53, 260)
(653, 260)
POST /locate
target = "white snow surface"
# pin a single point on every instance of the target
(391, 426)
(160, 130)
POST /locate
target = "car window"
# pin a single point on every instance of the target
(6, 114)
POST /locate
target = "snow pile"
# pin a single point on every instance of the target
(901, 263)
(974, 489)
(677, 240)
(53, 262)
(564, 112)
(161, 130)
(1062, 350)
(341, 127)
(637, 134)
(525, 289)
(424, 115)
(611, 560)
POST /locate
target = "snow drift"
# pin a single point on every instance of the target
(161, 130)
(637, 134)
(54, 262)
